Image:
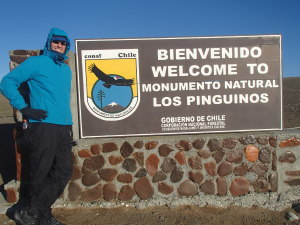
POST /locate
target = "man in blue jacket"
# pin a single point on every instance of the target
(46, 152)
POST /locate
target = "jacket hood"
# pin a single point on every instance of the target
(56, 32)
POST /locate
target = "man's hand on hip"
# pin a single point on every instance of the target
(36, 114)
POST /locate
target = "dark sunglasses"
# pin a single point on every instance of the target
(61, 42)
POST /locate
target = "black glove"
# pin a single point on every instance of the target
(36, 114)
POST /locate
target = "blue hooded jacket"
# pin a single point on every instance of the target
(49, 81)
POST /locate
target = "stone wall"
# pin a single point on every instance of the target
(224, 165)
(167, 167)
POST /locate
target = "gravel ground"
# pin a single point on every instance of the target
(163, 215)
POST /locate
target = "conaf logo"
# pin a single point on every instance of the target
(112, 87)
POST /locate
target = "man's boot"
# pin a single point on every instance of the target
(24, 217)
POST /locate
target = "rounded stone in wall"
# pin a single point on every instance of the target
(143, 188)
(180, 157)
(18, 58)
(76, 173)
(129, 164)
(218, 155)
(274, 161)
(234, 156)
(259, 168)
(138, 144)
(229, 143)
(225, 169)
(141, 173)
(115, 159)
(126, 193)
(239, 186)
(168, 165)
(74, 191)
(214, 144)
(109, 147)
(108, 174)
(152, 164)
(249, 139)
(263, 140)
(195, 162)
(204, 153)
(196, 176)
(159, 176)
(211, 168)
(125, 178)
(288, 157)
(241, 170)
(261, 185)
(273, 179)
(199, 143)
(184, 145)
(187, 188)
(165, 149)
(221, 186)
(273, 141)
(109, 192)
(176, 174)
(251, 153)
(92, 194)
(84, 153)
(90, 179)
(96, 149)
(126, 149)
(21, 52)
(164, 188)
(151, 145)
(208, 187)
(94, 163)
(139, 157)
(265, 155)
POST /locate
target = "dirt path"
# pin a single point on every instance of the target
(184, 215)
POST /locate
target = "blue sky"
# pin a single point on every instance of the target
(25, 24)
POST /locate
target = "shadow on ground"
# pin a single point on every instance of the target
(7, 155)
